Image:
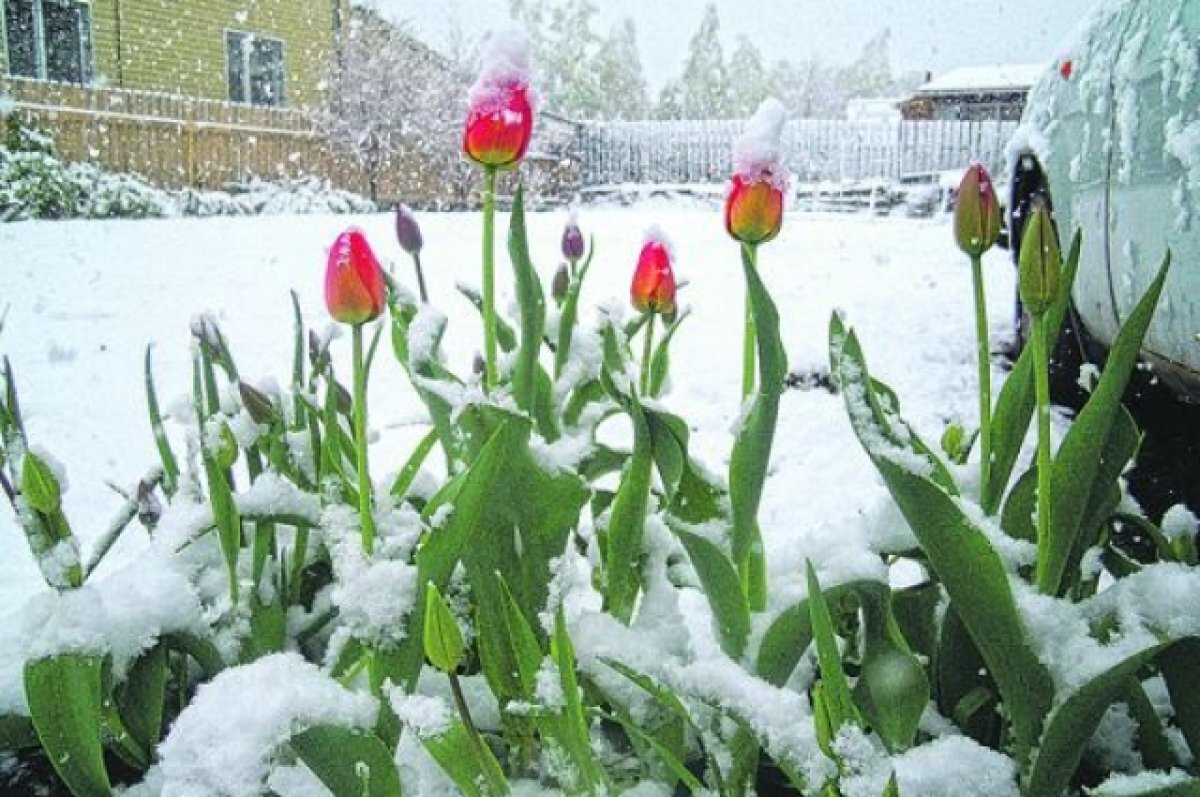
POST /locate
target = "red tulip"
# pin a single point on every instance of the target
(653, 289)
(499, 125)
(354, 287)
(976, 212)
(754, 209)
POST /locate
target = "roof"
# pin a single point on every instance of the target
(984, 79)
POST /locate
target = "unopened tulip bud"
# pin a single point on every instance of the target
(149, 508)
(572, 241)
(478, 365)
(561, 284)
(258, 404)
(408, 232)
(976, 212)
(653, 289)
(355, 291)
(318, 351)
(754, 202)
(753, 210)
(1040, 272)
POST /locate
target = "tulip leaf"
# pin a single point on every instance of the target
(660, 364)
(16, 733)
(661, 751)
(627, 520)
(723, 588)
(165, 454)
(349, 762)
(669, 442)
(532, 303)
(835, 687)
(751, 454)
(1078, 466)
(574, 734)
(408, 474)
(66, 703)
(1180, 666)
(474, 769)
(1014, 406)
(892, 690)
(142, 696)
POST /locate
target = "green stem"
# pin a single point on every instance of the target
(491, 351)
(420, 278)
(985, 378)
(1041, 368)
(749, 344)
(360, 443)
(477, 743)
(647, 354)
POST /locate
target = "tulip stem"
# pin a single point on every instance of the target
(1041, 368)
(749, 342)
(420, 278)
(985, 377)
(647, 354)
(360, 443)
(491, 352)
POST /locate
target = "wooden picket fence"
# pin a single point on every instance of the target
(691, 152)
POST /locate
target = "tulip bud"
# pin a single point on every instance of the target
(478, 365)
(572, 241)
(976, 212)
(500, 121)
(408, 232)
(354, 287)
(561, 283)
(318, 352)
(149, 508)
(653, 289)
(754, 204)
(1040, 262)
(258, 404)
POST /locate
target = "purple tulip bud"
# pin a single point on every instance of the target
(561, 283)
(572, 241)
(408, 232)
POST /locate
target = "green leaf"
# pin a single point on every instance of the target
(627, 521)
(1014, 406)
(165, 454)
(723, 589)
(892, 690)
(349, 762)
(663, 752)
(39, 485)
(533, 310)
(1018, 516)
(836, 688)
(443, 640)
(16, 733)
(660, 364)
(1073, 722)
(1189, 787)
(66, 705)
(1077, 465)
(1180, 666)
(526, 650)
(141, 698)
(404, 479)
(669, 442)
(751, 454)
(576, 736)
(460, 759)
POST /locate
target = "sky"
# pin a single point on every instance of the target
(927, 35)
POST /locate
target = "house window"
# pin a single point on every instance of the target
(49, 39)
(256, 69)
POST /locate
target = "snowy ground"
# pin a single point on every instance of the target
(87, 297)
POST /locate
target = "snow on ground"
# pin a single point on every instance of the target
(87, 297)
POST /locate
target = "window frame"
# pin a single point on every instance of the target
(84, 39)
(248, 37)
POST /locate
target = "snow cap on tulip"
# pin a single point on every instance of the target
(653, 289)
(754, 203)
(355, 291)
(976, 212)
(500, 121)
(408, 232)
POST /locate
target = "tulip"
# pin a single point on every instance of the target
(976, 212)
(653, 289)
(976, 230)
(499, 124)
(754, 209)
(354, 287)
(355, 293)
(652, 292)
(1039, 278)
(408, 233)
(499, 127)
(561, 283)
(1040, 263)
(572, 242)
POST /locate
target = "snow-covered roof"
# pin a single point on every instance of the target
(978, 79)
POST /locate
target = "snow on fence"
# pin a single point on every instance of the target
(689, 152)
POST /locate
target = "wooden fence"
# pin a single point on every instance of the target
(686, 152)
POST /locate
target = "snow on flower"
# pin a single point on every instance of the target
(758, 153)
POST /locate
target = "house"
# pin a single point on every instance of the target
(974, 93)
(275, 53)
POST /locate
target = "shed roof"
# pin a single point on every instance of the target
(984, 79)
